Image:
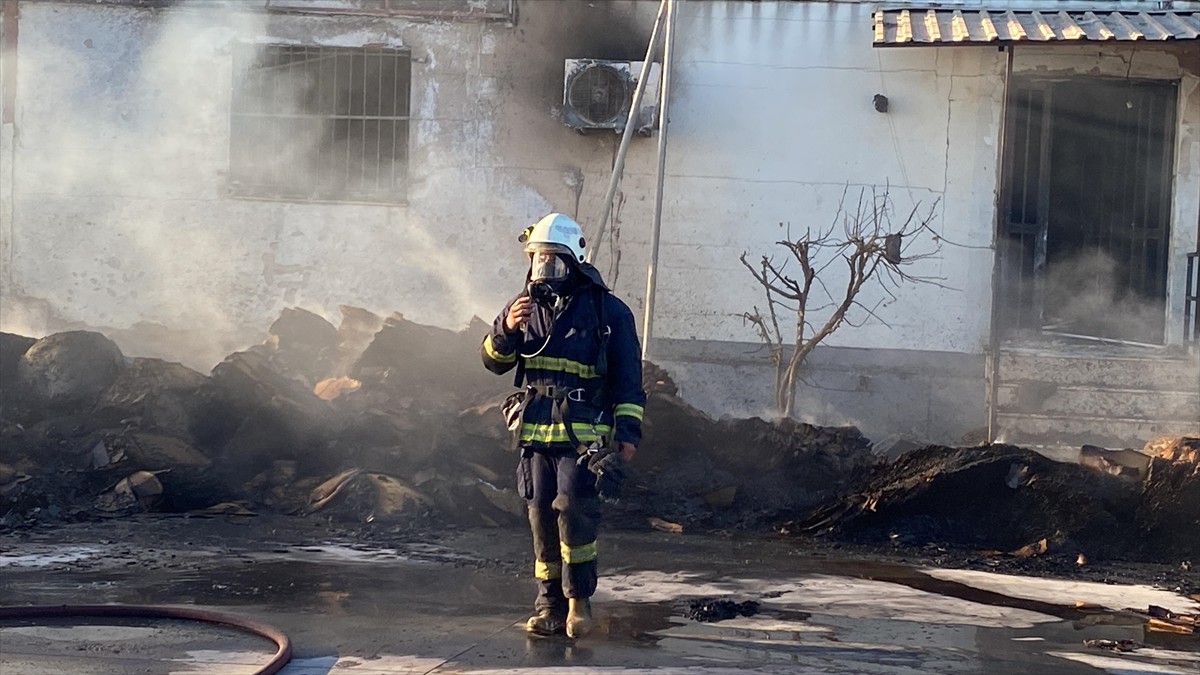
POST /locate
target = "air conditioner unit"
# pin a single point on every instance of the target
(597, 94)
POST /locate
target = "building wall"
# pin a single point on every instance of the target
(788, 128)
(121, 214)
(121, 211)
(773, 80)
(784, 125)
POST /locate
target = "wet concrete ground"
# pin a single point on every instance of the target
(455, 602)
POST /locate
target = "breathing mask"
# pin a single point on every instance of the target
(548, 273)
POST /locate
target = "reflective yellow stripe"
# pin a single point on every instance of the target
(629, 409)
(495, 355)
(557, 432)
(562, 366)
(547, 570)
(578, 554)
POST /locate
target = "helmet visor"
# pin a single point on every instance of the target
(547, 265)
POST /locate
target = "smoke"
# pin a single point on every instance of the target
(141, 132)
(1087, 293)
(115, 123)
(151, 187)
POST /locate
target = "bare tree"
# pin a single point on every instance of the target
(872, 248)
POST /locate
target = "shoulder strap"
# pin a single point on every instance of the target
(602, 333)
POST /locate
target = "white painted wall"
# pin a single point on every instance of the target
(773, 119)
(121, 214)
(121, 148)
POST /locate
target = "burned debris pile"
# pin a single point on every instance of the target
(382, 420)
(375, 420)
(1009, 501)
(736, 473)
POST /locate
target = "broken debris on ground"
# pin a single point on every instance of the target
(707, 610)
(386, 421)
(378, 420)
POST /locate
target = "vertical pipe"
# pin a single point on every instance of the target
(407, 63)
(362, 159)
(9, 76)
(1168, 142)
(619, 161)
(8, 118)
(379, 111)
(993, 363)
(316, 65)
(663, 124)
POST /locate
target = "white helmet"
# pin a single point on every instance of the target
(556, 232)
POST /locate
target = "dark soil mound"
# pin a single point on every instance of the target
(1005, 498)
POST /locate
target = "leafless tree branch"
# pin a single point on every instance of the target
(874, 252)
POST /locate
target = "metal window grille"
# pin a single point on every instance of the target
(1087, 176)
(320, 123)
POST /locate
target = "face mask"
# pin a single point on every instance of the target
(547, 266)
(548, 275)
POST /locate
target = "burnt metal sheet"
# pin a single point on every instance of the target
(942, 27)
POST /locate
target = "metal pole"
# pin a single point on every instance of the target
(8, 107)
(8, 136)
(634, 106)
(664, 122)
(993, 363)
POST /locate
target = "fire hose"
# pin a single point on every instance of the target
(283, 644)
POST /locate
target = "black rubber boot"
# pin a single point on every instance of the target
(579, 617)
(546, 622)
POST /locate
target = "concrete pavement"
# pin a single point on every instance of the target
(455, 602)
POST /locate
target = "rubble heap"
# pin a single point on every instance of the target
(1021, 503)
(375, 420)
(382, 420)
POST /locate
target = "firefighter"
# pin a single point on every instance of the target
(577, 418)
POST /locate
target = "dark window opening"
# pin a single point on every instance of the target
(1086, 206)
(319, 123)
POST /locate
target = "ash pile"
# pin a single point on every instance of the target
(1010, 503)
(377, 420)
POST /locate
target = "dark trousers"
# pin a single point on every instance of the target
(564, 513)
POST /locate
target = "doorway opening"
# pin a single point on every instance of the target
(1086, 209)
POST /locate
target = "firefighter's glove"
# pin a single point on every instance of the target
(610, 473)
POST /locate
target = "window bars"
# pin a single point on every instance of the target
(320, 124)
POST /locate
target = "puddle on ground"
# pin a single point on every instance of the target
(128, 644)
(419, 603)
(49, 556)
(885, 644)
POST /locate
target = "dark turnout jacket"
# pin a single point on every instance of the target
(603, 391)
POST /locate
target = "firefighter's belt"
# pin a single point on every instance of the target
(562, 397)
(558, 393)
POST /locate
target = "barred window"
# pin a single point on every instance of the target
(320, 123)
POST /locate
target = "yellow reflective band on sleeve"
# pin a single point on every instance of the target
(557, 432)
(629, 410)
(578, 554)
(495, 355)
(547, 570)
(562, 366)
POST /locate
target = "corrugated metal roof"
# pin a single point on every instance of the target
(940, 27)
